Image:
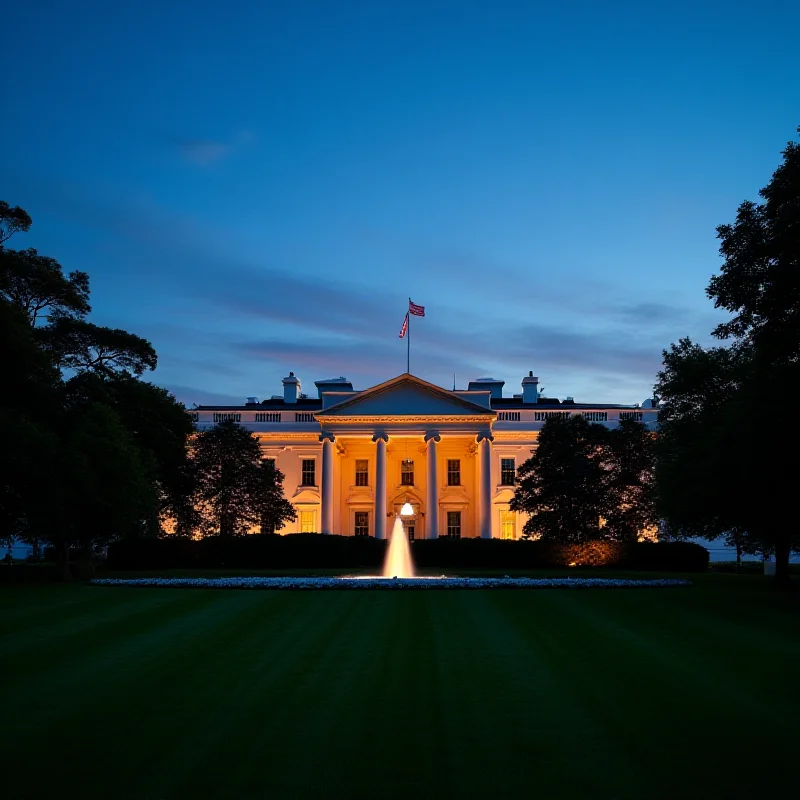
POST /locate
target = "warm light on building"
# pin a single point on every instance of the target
(444, 460)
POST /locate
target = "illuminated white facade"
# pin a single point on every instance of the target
(352, 458)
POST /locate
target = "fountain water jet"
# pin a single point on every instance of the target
(398, 562)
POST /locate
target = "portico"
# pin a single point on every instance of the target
(406, 439)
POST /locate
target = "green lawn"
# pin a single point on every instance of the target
(168, 693)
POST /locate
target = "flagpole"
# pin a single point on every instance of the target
(408, 339)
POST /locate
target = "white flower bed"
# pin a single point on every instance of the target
(368, 582)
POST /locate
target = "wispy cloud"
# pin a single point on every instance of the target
(203, 152)
(247, 322)
(188, 395)
(207, 152)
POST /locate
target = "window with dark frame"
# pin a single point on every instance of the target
(309, 472)
(453, 472)
(454, 524)
(362, 472)
(361, 526)
(508, 472)
(268, 464)
(407, 472)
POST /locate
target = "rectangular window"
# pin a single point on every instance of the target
(226, 417)
(508, 525)
(454, 524)
(635, 415)
(309, 472)
(361, 523)
(268, 416)
(407, 472)
(543, 416)
(595, 416)
(508, 416)
(453, 472)
(269, 463)
(508, 472)
(308, 522)
(303, 416)
(362, 472)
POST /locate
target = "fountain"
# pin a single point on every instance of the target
(398, 562)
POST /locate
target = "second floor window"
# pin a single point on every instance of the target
(407, 472)
(226, 417)
(508, 472)
(362, 472)
(361, 527)
(309, 472)
(453, 472)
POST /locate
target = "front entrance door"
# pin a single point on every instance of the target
(410, 526)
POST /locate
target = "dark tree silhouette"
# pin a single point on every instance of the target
(82, 346)
(630, 481)
(12, 220)
(563, 486)
(721, 458)
(235, 492)
(276, 510)
(37, 284)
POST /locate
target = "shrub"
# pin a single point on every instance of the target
(257, 551)
(315, 551)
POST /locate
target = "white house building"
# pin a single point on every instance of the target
(351, 458)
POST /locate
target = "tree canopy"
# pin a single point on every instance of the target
(563, 485)
(235, 491)
(91, 453)
(587, 482)
(37, 285)
(12, 220)
(82, 346)
(721, 452)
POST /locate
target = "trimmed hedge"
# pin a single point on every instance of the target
(313, 550)
(500, 554)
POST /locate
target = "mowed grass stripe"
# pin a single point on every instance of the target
(92, 642)
(546, 737)
(255, 705)
(211, 694)
(677, 704)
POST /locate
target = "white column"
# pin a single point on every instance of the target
(327, 484)
(485, 498)
(380, 485)
(432, 500)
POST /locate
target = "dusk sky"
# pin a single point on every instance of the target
(259, 187)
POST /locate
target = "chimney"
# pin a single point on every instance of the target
(494, 386)
(291, 389)
(530, 388)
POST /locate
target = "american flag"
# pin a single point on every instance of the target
(417, 311)
(405, 327)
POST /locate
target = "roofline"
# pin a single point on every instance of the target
(407, 376)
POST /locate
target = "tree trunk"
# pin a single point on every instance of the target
(738, 556)
(782, 551)
(87, 568)
(62, 560)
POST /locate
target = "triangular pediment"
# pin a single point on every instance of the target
(405, 395)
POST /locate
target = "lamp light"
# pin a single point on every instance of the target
(407, 510)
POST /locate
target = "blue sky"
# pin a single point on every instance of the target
(259, 187)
